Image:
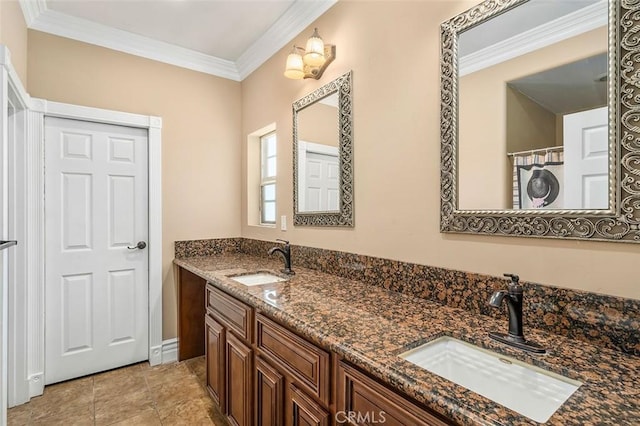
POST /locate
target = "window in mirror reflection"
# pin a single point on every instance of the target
(318, 157)
(268, 179)
(533, 122)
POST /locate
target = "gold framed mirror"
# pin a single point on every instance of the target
(323, 156)
(493, 85)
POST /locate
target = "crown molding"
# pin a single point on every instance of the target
(570, 25)
(296, 18)
(63, 25)
(31, 9)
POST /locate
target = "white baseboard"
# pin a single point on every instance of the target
(36, 384)
(170, 350)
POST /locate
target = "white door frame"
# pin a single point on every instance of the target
(28, 337)
(12, 95)
(154, 126)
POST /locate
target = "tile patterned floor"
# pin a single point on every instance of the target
(169, 394)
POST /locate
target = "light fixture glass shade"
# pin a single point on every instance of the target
(295, 66)
(314, 54)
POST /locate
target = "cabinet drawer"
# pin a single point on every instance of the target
(368, 401)
(232, 313)
(308, 364)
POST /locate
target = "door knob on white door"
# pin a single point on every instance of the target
(141, 245)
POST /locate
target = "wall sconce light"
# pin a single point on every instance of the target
(312, 61)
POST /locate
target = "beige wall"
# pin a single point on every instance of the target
(13, 34)
(200, 134)
(485, 138)
(393, 49)
(318, 123)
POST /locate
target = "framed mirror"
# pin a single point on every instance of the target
(323, 156)
(539, 112)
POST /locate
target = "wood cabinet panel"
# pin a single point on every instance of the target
(215, 362)
(191, 310)
(269, 395)
(305, 411)
(307, 363)
(232, 313)
(365, 400)
(239, 382)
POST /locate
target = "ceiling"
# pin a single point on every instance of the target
(227, 38)
(572, 87)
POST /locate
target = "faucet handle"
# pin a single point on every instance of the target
(282, 241)
(514, 285)
(514, 277)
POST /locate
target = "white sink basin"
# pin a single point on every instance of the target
(528, 390)
(257, 279)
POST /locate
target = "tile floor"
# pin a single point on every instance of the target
(169, 394)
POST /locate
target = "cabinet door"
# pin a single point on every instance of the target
(215, 348)
(305, 411)
(239, 382)
(361, 400)
(269, 395)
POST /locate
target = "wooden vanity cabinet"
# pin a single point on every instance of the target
(293, 378)
(229, 355)
(261, 373)
(360, 394)
(191, 309)
(215, 359)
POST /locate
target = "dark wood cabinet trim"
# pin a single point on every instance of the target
(307, 363)
(305, 411)
(239, 382)
(232, 313)
(360, 394)
(215, 362)
(191, 310)
(269, 394)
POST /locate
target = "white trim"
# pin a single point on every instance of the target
(68, 26)
(35, 260)
(299, 16)
(153, 125)
(15, 384)
(170, 351)
(567, 26)
(31, 9)
(295, 19)
(14, 82)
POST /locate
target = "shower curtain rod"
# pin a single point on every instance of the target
(551, 148)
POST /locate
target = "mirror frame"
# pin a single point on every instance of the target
(621, 222)
(344, 217)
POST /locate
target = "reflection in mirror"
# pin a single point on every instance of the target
(318, 156)
(533, 109)
(323, 159)
(478, 133)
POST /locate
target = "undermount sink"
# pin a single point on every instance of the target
(528, 390)
(259, 278)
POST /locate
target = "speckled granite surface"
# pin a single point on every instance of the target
(370, 325)
(608, 321)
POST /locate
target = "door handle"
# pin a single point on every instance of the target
(140, 246)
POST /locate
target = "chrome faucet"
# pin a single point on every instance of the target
(514, 297)
(285, 251)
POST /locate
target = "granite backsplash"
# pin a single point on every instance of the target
(608, 321)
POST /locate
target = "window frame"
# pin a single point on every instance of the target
(268, 180)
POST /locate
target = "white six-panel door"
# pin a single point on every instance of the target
(96, 204)
(586, 159)
(318, 177)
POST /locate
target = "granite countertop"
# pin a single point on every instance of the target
(370, 326)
